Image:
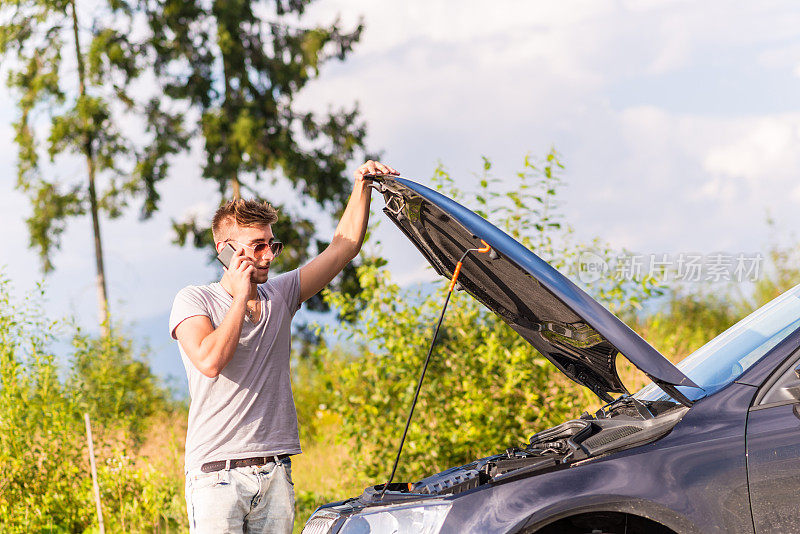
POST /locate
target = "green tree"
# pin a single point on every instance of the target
(78, 93)
(239, 66)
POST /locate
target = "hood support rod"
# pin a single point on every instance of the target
(486, 248)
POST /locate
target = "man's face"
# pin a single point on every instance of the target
(246, 239)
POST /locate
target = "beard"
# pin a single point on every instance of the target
(260, 276)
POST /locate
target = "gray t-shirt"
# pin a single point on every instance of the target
(247, 410)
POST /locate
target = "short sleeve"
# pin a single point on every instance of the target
(188, 303)
(287, 285)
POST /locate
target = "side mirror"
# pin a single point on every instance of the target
(797, 372)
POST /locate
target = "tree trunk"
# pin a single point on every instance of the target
(229, 95)
(102, 292)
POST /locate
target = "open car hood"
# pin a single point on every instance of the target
(560, 320)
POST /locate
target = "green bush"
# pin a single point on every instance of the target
(42, 455)
(114, 385)
(313, 382)
(140, 498)
(45, 481)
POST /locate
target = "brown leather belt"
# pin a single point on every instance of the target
(219, 465)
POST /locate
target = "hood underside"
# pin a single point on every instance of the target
(559, 319)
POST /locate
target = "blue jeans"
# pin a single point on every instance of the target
(244, 500)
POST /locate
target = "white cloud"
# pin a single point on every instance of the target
(202, 210)
(716, 190)
(780, 56)
(641, 175)
(639, 178)
(763, 150)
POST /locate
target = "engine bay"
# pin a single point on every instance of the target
(623, 423)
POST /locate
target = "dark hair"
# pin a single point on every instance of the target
(240, 212)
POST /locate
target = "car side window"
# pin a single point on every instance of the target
(786, 389)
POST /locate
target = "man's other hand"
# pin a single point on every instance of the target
(373, 167)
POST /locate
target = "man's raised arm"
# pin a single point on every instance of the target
(348, 237)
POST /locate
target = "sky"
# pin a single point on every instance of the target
(678, 123)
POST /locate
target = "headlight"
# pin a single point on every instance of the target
(405, 519)
(321, 522)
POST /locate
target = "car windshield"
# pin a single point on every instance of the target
(720, 361)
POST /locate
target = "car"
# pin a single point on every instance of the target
(711, 445)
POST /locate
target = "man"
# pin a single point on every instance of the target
(234, 341)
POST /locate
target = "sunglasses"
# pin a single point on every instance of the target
(275, 247)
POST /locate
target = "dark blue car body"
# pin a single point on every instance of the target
(696, 479)
(705, 462)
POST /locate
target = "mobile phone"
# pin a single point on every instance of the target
(225, 256)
